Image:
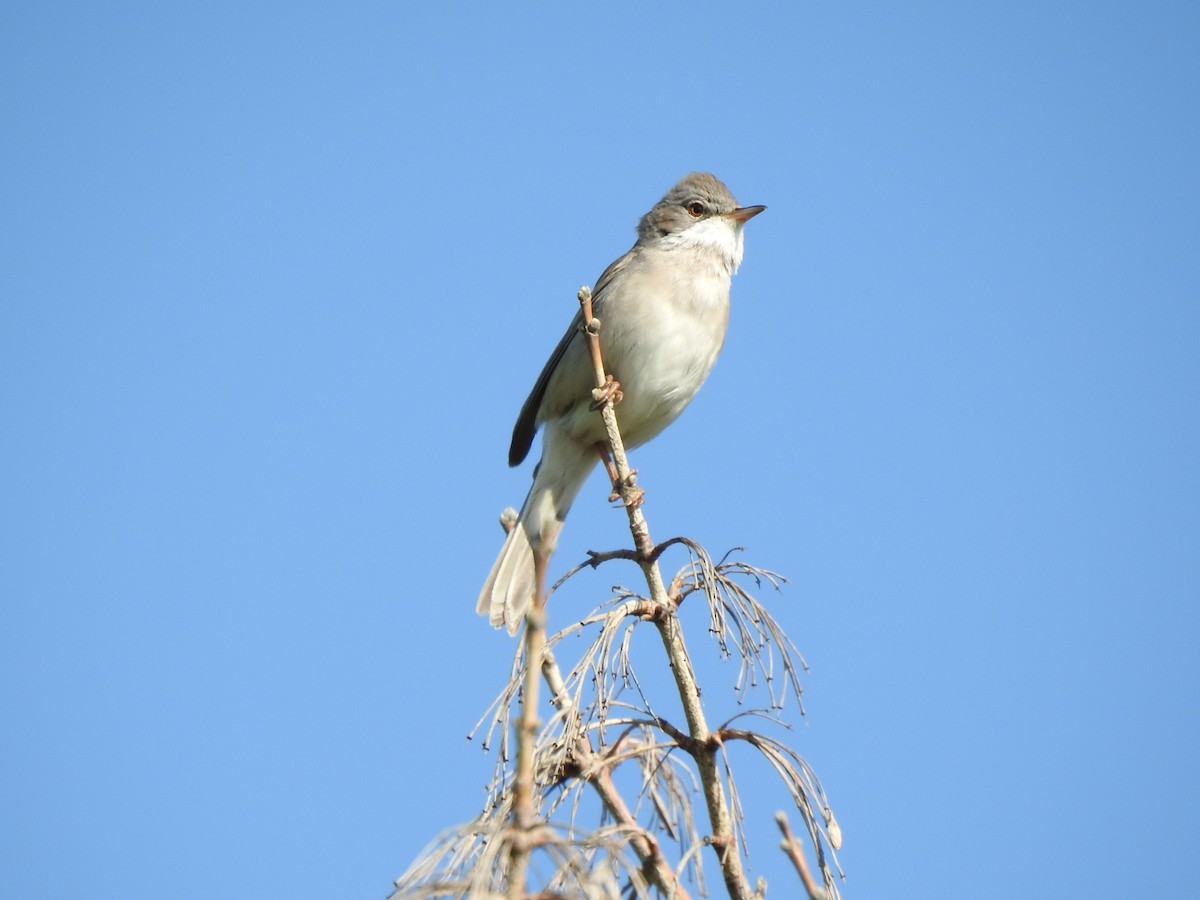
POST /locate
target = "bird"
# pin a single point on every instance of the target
(664, 309)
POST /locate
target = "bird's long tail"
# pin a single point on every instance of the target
(512, 583)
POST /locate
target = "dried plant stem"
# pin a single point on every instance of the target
(521, 847)
(598, 774)
(702, 747)
(524, 810)
(791, 846)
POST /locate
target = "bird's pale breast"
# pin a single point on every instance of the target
(660, 336)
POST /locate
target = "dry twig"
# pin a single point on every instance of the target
(603, 718)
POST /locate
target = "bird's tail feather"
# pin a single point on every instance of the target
(509, 588)
(511, 584)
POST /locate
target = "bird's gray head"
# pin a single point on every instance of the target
(699, 211)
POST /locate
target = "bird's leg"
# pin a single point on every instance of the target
(610, 391)
(609, 466)
(636, 494)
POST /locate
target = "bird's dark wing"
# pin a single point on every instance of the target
(527, 420)
(527, 423)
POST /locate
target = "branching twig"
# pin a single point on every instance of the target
(795, 852)
(603, 718)
(668, 627)
(524, 820)
(599, 776)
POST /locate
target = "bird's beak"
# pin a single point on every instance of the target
(745, 213)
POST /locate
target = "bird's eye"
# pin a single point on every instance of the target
(696, 208)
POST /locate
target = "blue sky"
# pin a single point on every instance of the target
(276, 278)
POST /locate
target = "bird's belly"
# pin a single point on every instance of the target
(663, 383)
(660, 365)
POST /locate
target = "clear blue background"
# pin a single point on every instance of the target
(275, 279)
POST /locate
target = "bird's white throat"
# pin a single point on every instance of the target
(717, 235)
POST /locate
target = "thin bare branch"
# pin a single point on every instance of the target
(795, 853)
(603, 734)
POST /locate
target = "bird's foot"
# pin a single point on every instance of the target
(610, 392)
(636, 496)
(633, 494)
